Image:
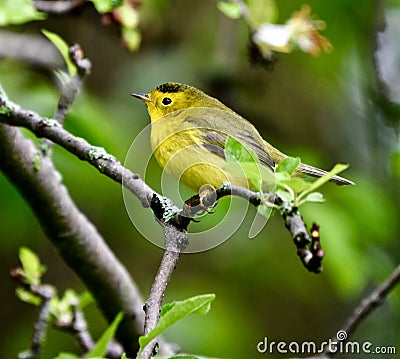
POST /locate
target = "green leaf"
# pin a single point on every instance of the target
(236, 151)
(172, 312)
(230, 9)
(63, 48)
(33, 269)
(28, 297)
(322, 180)
(285, 196)
(255, 173)
(282, 177)
(103, 6)
(315, 197)
(261, 11)
(101, 346)
(289, 165)
(85, 299)
(132, 37)
(66, 356)
(244, 161)
(264, 210)
(15, 12)
(297, 184)
(61, 308)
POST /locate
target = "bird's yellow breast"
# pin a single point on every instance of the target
(180, 152)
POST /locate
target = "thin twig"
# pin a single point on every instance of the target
(175, 243)
(106, 164)
(308, 250)
(69, 91)
(45, 292)
(367, 305)
(74, 85)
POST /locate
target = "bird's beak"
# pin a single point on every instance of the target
(142, 96)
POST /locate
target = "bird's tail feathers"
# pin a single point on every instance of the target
(316, 172)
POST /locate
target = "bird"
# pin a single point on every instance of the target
(189, 130)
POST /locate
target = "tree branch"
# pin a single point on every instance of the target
(106, 164)
(45, 292)
(57, 7)
(174, 227)
(175, 242)
(365, 307)
(76, 239)
(308, 250)
(368, 304)
(74, 85)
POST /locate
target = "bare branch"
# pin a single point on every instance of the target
(106, 164)
(45, 292)
(308, 250)
(370, 303)
(57, 7)
(74, 85)
(366, 306)
(175, 242)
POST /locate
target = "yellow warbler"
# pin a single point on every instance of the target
(188, 133)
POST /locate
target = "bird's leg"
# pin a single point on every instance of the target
(201, 203)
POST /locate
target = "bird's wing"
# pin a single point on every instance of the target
(213, 138)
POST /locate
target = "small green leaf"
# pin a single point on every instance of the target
(282, 177)
(264, 210)
(85, 299)
(33, 269)
(103, 6)
(236, 151)
(15, 12)
(132, 37)
(28, 297)
(172, 312)
(255, 173)
(285, 196)
(101, 346)
(289, 165)
(297, 184)
(61, 308)
(244, 161)
(63, 48)
(261, 11)
(63, 77)
(315, 197)
(230, 9)
(63, 355)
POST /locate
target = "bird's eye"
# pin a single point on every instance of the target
(166, 101)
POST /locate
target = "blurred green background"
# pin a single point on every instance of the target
(325, 109)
